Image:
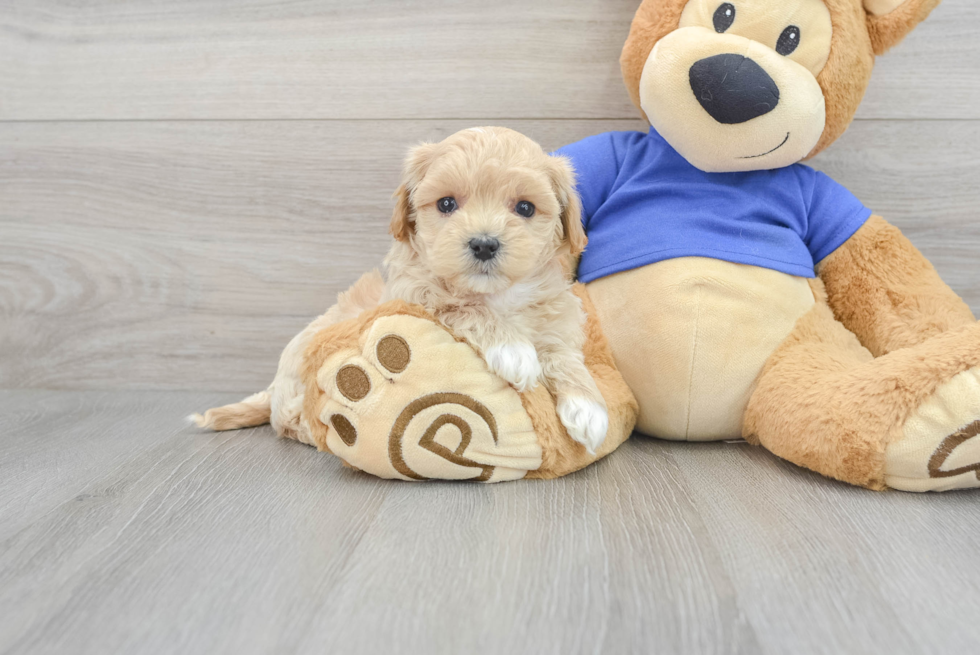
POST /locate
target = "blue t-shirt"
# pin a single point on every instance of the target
(644, 203)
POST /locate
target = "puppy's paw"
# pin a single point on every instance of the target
(517, 363)
(586, 421)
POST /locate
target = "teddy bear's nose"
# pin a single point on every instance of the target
(733, 89)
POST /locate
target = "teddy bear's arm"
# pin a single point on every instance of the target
(886, 292)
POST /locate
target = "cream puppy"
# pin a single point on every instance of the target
(487, 231)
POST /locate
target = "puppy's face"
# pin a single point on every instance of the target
(487, 208)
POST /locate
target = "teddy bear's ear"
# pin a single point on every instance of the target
(416, 164)
(889, 21)
(654, 20)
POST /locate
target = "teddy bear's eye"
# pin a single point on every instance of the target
(447, 205)
(724, 17)
(789, 41)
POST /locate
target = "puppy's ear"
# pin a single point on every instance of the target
(401, 222)
(563, 181)
(416, 165)
(890, 21)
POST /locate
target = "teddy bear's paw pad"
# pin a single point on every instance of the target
(413, 403)
(940, 445)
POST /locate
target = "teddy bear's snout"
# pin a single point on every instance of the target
(733, 89)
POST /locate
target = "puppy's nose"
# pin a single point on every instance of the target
(733, 89)
(484, 248)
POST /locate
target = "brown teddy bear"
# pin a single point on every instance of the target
(744, 294)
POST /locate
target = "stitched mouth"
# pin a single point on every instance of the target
(785, 141)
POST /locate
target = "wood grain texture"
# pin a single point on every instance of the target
(333, 59)
(203, 543)
(185, 255)
(855, 573)
(53, 445)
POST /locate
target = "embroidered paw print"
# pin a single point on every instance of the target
(354, 384)
(412, 403)
(956, 450)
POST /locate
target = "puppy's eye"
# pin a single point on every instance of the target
(447, 205)
(724, 17)
(789, 41)
(525, 209)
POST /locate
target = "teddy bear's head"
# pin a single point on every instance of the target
(743, 85)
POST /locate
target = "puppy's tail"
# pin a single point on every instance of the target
(251, 412)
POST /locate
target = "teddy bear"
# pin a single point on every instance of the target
(745, 294)
(731, 291)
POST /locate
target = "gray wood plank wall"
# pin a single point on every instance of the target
(184, 184)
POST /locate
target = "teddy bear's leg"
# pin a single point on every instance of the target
(884, 291)
(396, 394)
(904, 420)
(400, 397)
(287, 388)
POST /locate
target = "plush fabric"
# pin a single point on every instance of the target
(406, 400)
(888, 29)
(847, 73)
(644, 203)
(395, 394)
(703, 78)
(690, 337)
(825, 402)
(882, 7)
(875, 380)
(843, 78)
(653, 21)
(883, 290)
(765, 26)
(935, 452)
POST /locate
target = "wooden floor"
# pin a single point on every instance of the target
(183, 184)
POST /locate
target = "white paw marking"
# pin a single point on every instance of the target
(586, 421)
(517, 363)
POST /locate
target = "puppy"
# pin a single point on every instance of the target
(487, 230)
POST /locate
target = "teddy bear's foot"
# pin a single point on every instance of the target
(939, 449)
(409, 401)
